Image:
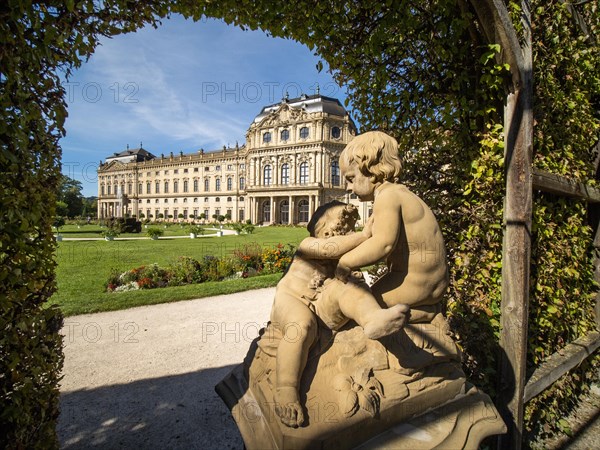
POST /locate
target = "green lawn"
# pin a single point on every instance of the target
(93, 231)
(83, 268)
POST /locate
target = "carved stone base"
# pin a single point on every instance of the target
(360, 393)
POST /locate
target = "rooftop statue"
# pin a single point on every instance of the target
(343, 364)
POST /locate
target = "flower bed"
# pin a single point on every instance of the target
(246, 261)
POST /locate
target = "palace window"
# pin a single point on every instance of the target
(140, 188)
(303, 132)
(229, 167)
(195, 185)
(229, 199)
(166, 187)
(266, 137)
(303, 211)
(266, 211)
(267, 175)
(218, 199)
(148, 184)
(229, 183)
(285, 135)
(335, 173)
(205, 199)
(303, 173)
(157, 187)
(285, 174)
(242, 183)
(335, 132)
(284, 212)
(206, 185)
(218, 184)
(217, 167)
(206, 212)
(185, 185)
(241, 215)
(175, 186)
(108, 189)
(102, 190)
(176, 171)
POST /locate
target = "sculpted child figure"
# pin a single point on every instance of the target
(405, 232)
(309, 290)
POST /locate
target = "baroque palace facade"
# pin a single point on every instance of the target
(285, 170)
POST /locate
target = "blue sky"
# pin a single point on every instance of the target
(181, 87)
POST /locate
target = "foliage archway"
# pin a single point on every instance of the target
(422, 70)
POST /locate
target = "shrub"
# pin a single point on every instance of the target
(195, 229)
(110, 233)
(185, 270)
(154, 232)
(58, 223)
(238, 227)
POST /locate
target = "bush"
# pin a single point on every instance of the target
(154, 232)
(195, 229)
(185, 270)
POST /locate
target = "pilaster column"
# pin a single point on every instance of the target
(294, 162)
(319, 168)
(272, 200)
(291, 209)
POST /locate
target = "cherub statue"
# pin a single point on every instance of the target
(309, 293)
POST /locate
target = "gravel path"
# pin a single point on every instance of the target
(144, 377)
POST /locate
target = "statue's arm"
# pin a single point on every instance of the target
(387, 213)
(330, 248)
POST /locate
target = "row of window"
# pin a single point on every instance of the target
(302, 174)
(166, 185)
(176, 171)
(185, 200)
(303, 134)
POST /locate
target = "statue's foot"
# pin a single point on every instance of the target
(386, 321)
(287, 406)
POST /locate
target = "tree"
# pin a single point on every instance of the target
(70, 193)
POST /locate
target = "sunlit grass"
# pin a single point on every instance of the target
(83, 268)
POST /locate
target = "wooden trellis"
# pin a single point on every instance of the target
(521, 180)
